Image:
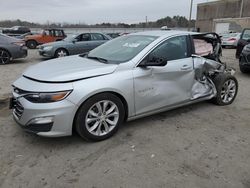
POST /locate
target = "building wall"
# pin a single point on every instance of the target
(208, 14)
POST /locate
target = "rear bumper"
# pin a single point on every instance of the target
(225, 43)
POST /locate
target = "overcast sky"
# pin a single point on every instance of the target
(94, 11)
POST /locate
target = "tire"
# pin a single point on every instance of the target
(31, 44)
(244, 69)
(61, 53)
(4, 56)
(92, 122)
(225, 94)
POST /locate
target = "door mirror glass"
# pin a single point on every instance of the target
(152, 60)
(172, 49)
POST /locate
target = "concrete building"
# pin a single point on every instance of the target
(223, 16)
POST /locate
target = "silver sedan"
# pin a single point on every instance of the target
(11, 48)
(75, 44)
(124, 79)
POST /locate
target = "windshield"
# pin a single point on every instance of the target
(121, 49)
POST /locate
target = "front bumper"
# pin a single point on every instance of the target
(44, 119)
(46, 53)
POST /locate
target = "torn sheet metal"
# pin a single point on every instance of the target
(203, 85)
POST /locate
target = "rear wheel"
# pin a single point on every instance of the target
(4, 56)
(61, 53)
(32, 44)
(227, 89)
(99, 117)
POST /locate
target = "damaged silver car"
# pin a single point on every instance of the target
(124, 79)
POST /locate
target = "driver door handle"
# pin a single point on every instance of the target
(186, 67)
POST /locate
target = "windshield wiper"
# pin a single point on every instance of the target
(97, 58)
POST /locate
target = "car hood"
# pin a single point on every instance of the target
(68, 69)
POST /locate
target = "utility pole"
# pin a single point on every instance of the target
(241, 8)
(146, 21)
(190, 15)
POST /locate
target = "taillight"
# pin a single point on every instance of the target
(232, 39)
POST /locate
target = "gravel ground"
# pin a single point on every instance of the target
(201, 145)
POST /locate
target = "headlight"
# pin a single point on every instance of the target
(47, 48)
(47, 97)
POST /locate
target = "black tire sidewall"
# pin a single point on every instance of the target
(29, 42)
(219, 81)
(9, 56)
(244, 69)
(82, 112)
(56, 53)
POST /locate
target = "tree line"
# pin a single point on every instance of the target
(171, 22)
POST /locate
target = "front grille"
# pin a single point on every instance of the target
(18, 109)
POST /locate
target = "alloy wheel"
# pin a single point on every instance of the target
(4, 57)
(228, 91)
(102, 118)
(61, 53)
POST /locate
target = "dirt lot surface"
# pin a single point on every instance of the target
(201, 145)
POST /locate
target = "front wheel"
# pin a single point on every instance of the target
(99, 117)
(227, 89)
(31, 44)
(61, 53)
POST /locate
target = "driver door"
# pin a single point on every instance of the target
(82, 44)
(157, 87)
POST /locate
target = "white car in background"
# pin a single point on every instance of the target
(230, 40)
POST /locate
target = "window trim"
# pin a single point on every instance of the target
(189, 53)
(92, 38)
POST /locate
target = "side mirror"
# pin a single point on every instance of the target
(74, 41)
(248, 40)
(153, 61)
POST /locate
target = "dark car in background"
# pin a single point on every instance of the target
(75, 44)
(243, 41)
(16, 30)
(244, 60)
(23, 35)
(11, 48)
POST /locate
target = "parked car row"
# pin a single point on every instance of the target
(72, 45)
(55, 43)
(13, 48)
